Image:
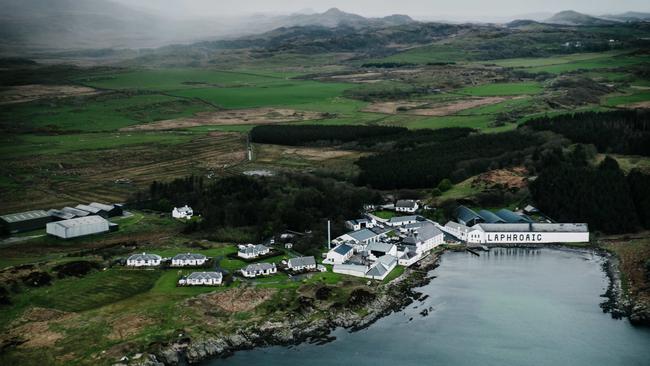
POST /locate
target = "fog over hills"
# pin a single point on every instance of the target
(29, 25)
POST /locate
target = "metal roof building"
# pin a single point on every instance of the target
(490, 217)
(25, 221)
(80, 226)
(76, 212)
(109, 210)
(511, 217)
(467, 216)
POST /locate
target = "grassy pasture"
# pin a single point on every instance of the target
(607, 62)
(628, 98)
(551, 61)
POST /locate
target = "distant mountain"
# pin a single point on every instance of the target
(630, 16)
(335, 18)
(570, 17)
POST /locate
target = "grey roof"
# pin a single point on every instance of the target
(363, 234)
(189, 256)
(75, 211)
(379, 247)
(352, 267)
(256, 267)
(79, 221)
(102, 206)
(144, 257)
(24, 216)
(382, 265)
(205, 276)
(405, 203)
(466, 214)
(488, 216)
(342, 249)
(533, 227)
(60, 214)
(90, 209)
(403, 218)
(425, 232)
(457, 226)
(252, 249)
(302, 261)
(509, 216)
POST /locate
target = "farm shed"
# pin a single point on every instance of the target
(76, 212)
(25, 221)
(80, 226)
(91, 210)
(109, 210)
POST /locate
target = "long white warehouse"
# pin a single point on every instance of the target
(527, 233)
(80, 226)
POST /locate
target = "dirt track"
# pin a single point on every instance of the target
(426, 109)
(28, 93)
(257, 116)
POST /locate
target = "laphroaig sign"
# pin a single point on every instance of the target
(514, 238)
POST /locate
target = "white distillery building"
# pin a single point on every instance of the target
(376, 271)
(80, 226)
(144, 260)
(188, 259)
(409, 206)
(259, 269)
(202, 279)
(422, 237)
(459, 231)
(184, 212)
(339, 254)
(359, 224)
(528, 233)
(250, 251)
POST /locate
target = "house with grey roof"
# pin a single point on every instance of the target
(382, 267)
(250, 251)
(259, 269)
(360, 238)
(202, 279)
(339, 254)
(188, 259)
(423, 236)
(301, 263)
(144, 260)
(409, 206)
(403, 220)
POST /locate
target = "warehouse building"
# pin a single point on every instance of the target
(76, 212)
(528, 233)
(25, 221)
(60, 215)
(91, 210)
(511, 217)
(467, 216)
(107, 210)
(80, 226)
(490, 217)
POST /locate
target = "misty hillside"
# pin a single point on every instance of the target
(570, 17)
(73, 24)
(630, 16)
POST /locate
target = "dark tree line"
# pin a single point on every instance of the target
(268, 205)
(454, 158)
(571, 190)
(300, 135)
(622, 132)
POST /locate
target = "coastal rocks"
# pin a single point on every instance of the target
(640, 315)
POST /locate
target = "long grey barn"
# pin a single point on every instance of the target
(80, 226)
(25, 221)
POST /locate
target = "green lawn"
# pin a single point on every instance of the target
(549, 61)
(628, 99)
(385, 214)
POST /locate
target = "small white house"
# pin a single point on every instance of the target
(259, 269)
(359, 224)
(188, 259)
(184, 212)
(249, 251)
(340, 254)
(144, 260)
(202, 279)
(301, 263)
(409, 206)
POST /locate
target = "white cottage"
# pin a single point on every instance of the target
(409, 206)
(259, 269)
(184, 212)
(188, 259)
(301, 263)
(202, 279)
(144, 260)
(250, 251)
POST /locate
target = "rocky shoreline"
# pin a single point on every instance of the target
(394, 296)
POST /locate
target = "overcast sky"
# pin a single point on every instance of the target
(423, 9)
